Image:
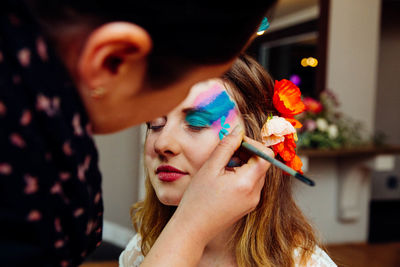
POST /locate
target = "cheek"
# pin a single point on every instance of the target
(149, 153)
(199, 151)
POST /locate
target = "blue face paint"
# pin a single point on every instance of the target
(211, 110)
(224, 126)
(198, 118)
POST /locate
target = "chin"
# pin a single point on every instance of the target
(169, 200)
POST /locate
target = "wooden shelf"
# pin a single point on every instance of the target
(351, 152)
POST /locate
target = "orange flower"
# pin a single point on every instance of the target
(295, 164)
(287, 151)
(287, 98)
(294, 122)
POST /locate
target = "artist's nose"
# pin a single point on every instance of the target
(167, 143)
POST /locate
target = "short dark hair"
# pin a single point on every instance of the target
(185, 33)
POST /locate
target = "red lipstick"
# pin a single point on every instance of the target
(167, 173)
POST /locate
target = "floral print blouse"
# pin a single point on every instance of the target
(50, 185)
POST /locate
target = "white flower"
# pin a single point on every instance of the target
(333, 131)
(274, 130)
(322, 124)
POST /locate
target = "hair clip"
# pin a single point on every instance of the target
(263, 27)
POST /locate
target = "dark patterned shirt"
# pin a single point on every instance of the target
(50, 185)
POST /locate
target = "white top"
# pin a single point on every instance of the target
(132, 256)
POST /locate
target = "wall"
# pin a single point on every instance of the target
(352, 56)
(119, 161)
(320, 204)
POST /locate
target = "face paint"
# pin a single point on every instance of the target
(213, 108)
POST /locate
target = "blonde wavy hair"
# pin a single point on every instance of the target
(268, 235)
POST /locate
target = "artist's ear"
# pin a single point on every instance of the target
(112, 53)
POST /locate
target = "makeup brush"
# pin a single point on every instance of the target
(277, 163)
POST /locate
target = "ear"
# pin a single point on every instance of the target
(112, 53)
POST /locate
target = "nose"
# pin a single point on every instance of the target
(167, 143)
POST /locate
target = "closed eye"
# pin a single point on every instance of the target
(197, 117)
(155, 127)
(197, 128)
(157, 124)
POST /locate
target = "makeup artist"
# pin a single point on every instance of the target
(72, 68)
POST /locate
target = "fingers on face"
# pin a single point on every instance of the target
(225, 150)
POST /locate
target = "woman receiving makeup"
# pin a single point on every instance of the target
(274, 233)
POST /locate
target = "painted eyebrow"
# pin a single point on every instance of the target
(194, 109)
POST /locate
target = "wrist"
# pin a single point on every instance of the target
(179, 244)
(190, 228)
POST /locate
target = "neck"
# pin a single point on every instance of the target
(218, 251)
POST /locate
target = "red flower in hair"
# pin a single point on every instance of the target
(287, 151)
(295, 164)
(287, 100)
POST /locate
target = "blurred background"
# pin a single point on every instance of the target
(345, 57)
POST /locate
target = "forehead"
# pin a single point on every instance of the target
(203, 92)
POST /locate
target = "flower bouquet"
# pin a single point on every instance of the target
(324, 127)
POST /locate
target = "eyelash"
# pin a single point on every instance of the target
(154, 127)
(196, 128)
(191, 127)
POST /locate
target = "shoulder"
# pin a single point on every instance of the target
(319, 258)
(132, 254)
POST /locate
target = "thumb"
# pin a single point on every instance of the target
(226, 148)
